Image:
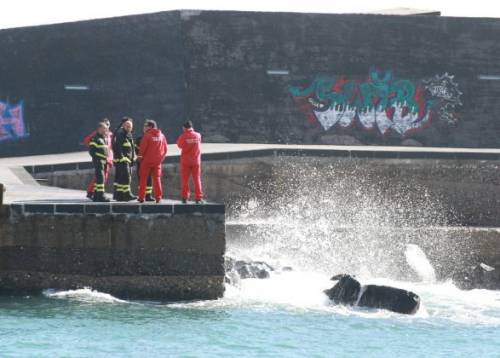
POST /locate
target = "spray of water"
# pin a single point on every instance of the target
(341, 217)
(418, 261)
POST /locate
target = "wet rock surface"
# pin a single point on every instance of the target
(239, 269)
(348, 291)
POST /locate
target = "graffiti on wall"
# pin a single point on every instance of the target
(12, 125)
(381, 103)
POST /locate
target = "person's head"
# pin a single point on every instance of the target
(188, 125)
(149, 123)
(106, 122)
(102, 128)
(127, 124)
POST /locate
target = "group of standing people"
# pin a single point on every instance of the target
(120, 150)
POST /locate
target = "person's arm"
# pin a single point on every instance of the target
(164, 148)
(88, 138)
(118, 147)
(96, 147)
(144, 147)
(92, 149)
(180, 141)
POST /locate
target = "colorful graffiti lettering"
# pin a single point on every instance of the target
(380, 103)
(12, 121)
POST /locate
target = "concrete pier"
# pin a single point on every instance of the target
(54, 238)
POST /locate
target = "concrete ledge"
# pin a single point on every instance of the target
(114, 208)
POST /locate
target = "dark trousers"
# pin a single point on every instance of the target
(122, 177)
(101, 172)
(149, 182)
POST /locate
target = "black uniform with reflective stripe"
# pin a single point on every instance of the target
(124, 155)
(123, 146)
(98, 149)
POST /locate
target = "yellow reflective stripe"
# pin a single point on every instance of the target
(125, 160)
(127, 144)
(101, 155)
(94, 144)
(122, 187)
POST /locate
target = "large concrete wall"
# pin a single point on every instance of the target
(231, 94)
(164, 252)
(356, 71)
(132, 65)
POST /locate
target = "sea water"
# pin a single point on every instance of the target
(354, 229)
(286, 316)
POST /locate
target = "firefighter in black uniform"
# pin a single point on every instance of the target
(149, 185)
(124, 155)
(98, 149)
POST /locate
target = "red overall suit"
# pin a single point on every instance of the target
(86, 141)
(152, 151)
(190, 144)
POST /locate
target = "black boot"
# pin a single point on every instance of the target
(90, 195)
(127, 196)
(100, 198)
(118, 196)
(149, 197)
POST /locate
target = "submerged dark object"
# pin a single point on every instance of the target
(348, 291)
(248, 269)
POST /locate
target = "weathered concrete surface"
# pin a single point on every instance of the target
(166, 256)
(216, 68)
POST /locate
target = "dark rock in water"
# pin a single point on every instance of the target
(348, 291)
(286, 269)
(389, 298)
(480, 276)
(244, 269)
(252, 269)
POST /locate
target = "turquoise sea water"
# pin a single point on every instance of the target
(275, 317)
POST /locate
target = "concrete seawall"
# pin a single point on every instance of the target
(54, 238)
(167, 251)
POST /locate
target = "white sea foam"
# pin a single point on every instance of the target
(322, 224)
(86, 294)
(418, 261)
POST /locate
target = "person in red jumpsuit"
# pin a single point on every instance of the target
(189, 142)
(152, 152)
(86, 141)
